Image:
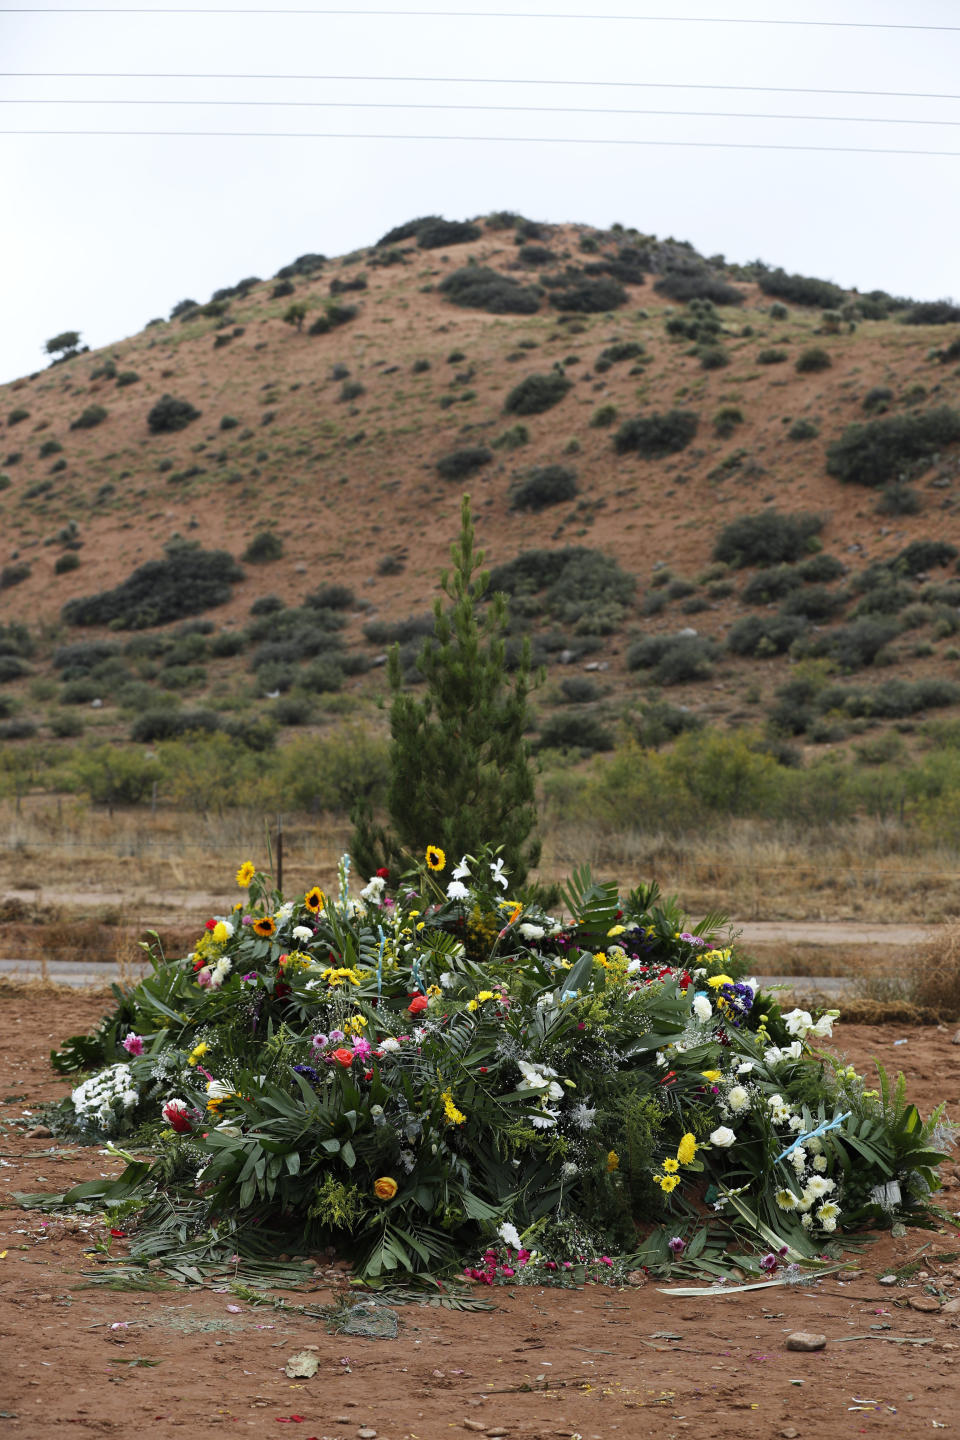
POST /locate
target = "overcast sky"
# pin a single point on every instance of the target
(101, 234)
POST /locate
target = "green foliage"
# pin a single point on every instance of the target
(771, 356)
(334, 314)
(110, 775)
(295, 314)
(881, 451)
(436, 233)
(766, 635)
(265, 547)
(581, 730)
(696, 281)
(463, 462)
(810, 361)
(460, 767)
(186, 582)
(674, 659)
(803, 430)
(922, 555)
(588, 294)
(932, 312)
(571, 586)
(726, 420)
(65, 344)
(89, 418)
(765, 539)
(855, 645)
(603, 417)
(653, 436)
(476, 287)
(14, 574)
(512, 439)
(877, 399)
(17, 415)
(170, 414)
(771, 583)
(537, 393)
(306, 265)
(542, 486)
(70, 560)
(800, 289)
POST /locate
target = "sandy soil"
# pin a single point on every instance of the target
(594, 1362)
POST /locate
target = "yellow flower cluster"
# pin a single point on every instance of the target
(246, 873)
(337, 977)
(455, 1116)
(355, 1025)
(197, 1053)
(670, 1179)
(296, 960)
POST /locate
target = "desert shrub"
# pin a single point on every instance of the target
(303, 265)
(537, 393)
(340, 287)
(183, 677)
(64, 725)
(582, 731)
(331, 597)
(70, 560)
(800, 289)
(803, 430)
(542, 486)
(476, 287)
(169, 724)
(821, 569)
(697, 283)
(771, 356)
(238, 291)
(463, 462)
(622, 350)
(14, 574)
(334, 315)
(712, 357)
(263, 548)
(932, 312)
(15, 639)
(333, 771)
(921, 555)
(351, 390)
(228, 422)
(772, 583)
(877, 399)
(603, 417)
(282, 289)
(436, 233)
(655, 435)
(170, 414)
(186, 582)
(726, 420)
(512, 439)
(814, 602)
(896, 498)
(893, 700)
(399, 632)
(535, 255)
(226, 644)
(79, 659)
(293, 710)
(764, 635)
(19, 728)
(808, 362)
(49, 447)
(89, 418)
(12, 668)
(877, 451)
(322, 676)
(588, 294)
(765, 539)
(579, 689)
(17, 415)
(182, 307)
(856, 645)
(674, 659)
(888, 598)
(777, 311)
(572, 586)
(127, 377)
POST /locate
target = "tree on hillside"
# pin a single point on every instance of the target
(296, 314)
(63, 345)
(460, 769)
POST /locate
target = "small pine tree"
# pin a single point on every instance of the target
(460, 769)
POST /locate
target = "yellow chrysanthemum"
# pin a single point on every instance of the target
(671, 1166)
(220, 933)
(246, 873)
(687, 1149)
(712, 1075)
(197, 1053)
(667, 1183)
(436, 860)
(613, 1161)
(716, 981)
(337, 977)
(473, 1004)
(484, 994)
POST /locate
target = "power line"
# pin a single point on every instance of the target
(463, 80)
(481, 15)
(484, 139)
(521, 109)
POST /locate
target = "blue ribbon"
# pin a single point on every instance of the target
(812, 1134)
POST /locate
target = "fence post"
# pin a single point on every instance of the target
(280, 853)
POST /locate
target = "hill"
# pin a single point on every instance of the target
(714, 493)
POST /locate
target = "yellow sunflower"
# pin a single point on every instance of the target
(315, 900)
(264, 927)
(246, 873)
(436, 860)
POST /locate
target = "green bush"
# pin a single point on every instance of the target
(814, 602)
(898, 499)
(821, 569)
(265, 547)
(726, 420)
(588, 295)
(771, 356)
(803, 430)
(14, 574)
(653, 436)
(800, 289)
(341, 287)
(282, 289)
(766, 539)
(537, 393)
(170, 414)
(856, 645)
(70, 560)
(463, 462)
(65, 726)
(127, 377)
(542, 486)
(932, 312)
(921, 555)
(169, 724)
(579, 689)
(622, 350)
(17, 415)
(226, 644)
(535, 255)
(582, 731)
(674, 659)
(49, 447)
(187, 582)
(877, 399)
(697, 283)
(772, 583)
(809, 362)
(762, 636)
(436, 233)
(712, 357)
(476, 287)
(603, 417)
(571, 586)
(351, 390)
(512, 439)
(12, 668)
(878, 451)
(89, 418)
(303, 265)
(330, 597)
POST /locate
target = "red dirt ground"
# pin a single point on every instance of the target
(542, 1364)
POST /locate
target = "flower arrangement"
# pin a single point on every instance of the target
(435, 1070)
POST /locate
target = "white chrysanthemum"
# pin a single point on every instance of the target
(796, 1123)
(738, 1099)
(509, 1234)
(389, 1044)
(828, 1213)
(814, 1145)
(302, 933)
(820, 1185)
(532, 932)
(456, 890)
(723, 1137)
(786, 1199)
(702, 1008)
(582, 1116)
(373, 890)
(828, 1225)
(806, 1221)
(545, 1120)
(820, 1163)
(799, 1159)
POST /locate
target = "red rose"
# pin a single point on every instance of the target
(418, 1004)
(210, 925)
(344, 1056)
(383, 873)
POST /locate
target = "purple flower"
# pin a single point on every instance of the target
(319, 1041)
(336, 1036)
(769, 1262)
(247, 920)
(676, 1246)
(361, 1047)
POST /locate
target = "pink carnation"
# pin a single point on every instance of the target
(133, 1044)
(361, 1048)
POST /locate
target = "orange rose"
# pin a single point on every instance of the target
(385, 1188)
(418, 1004)
(344, 1056)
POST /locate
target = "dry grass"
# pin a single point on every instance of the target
(935, 973)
